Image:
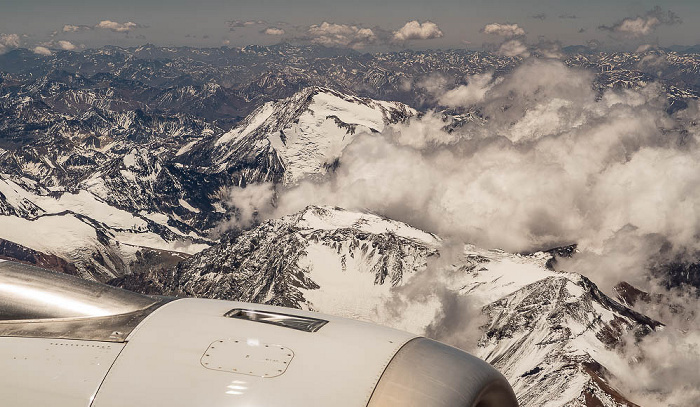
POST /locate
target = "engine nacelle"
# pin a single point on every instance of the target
(70, 342)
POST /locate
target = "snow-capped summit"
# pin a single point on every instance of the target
(306, 132)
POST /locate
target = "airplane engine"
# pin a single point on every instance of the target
(68, 342)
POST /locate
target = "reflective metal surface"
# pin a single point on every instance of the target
(425, 373)
(300, 323)
(38, 303)
(28, 292)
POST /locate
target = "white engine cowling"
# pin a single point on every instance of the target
(68, 342)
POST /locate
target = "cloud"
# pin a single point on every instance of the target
(512, 45)
(233, 24)
(42, 51)
(117, 27)
(251, 204)
(540, 16)
(341, 35)
(274, 31)
(513, 48)
(435, 83)
(549, 49)
(645, 48)
(414, 30)
(660, 369)
(503, 30)
(568, 16)
(643, 25)
(68, 28)
(466, 95)
(459, 319)
(66, 45)
(8, 42)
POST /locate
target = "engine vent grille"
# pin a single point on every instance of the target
(297, 322)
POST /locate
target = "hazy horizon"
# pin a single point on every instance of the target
(361, 25)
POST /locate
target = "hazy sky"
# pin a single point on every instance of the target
(458, 23)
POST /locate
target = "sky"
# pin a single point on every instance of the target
(359, 24)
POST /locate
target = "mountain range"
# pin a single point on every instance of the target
(119, 165)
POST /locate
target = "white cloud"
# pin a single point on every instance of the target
(8, 42)
(645, 48)
(66, 45)
(274, 31)
(252, 203)
(341, 35)
(414, 30)
(466, 95)
(69, 28)
(643, 25)
(42, 51)
(638, 26)
(117, 27)
(513, 48)
(503, 30)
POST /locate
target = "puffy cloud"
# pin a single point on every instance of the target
(503, 30)
(414, 30)
(643, 25)
(251, 204)
(117, 27)
(42, 51)
(435, 84)
(8, 42)
(103, 25)
(512, 44)
(660, 369)
(341, 35)
(274, 31)
(66, 45)
(645, 48)
(68, 28)
(466, 95)
(513, 48)
(637, 27)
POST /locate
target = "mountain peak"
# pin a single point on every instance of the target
(334, 218)
(307, 132)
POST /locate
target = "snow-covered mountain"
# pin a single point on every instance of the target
(551, 333)
(297, 137)
(145, 180)
(97, 238)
